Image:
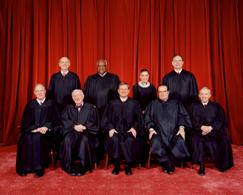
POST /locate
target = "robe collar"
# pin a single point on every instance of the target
(64, 73)
(40, 102)
(144, 85)
(178, 71)
(102, 75)
(123, 99)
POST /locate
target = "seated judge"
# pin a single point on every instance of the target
(209, 133)
(80, 124)
(166, 120)
(122, 122)
(39, 118)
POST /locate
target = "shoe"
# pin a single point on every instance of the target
(73, 172)
(201, 170)
(116, 169)
(128, 170)
(80, 170)
(39, 173)
(22, 173)
(167, 167)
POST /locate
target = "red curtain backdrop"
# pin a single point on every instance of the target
(130, 34)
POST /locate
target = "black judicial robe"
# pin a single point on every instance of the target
(165, 118)
(32, 148)
(61, 87)
(79, 145)
(100, 90)
(182, 87)
(144, 95)
(122, 116)
(217, 141)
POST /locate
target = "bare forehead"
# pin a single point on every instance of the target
(66, 59)
(177, 58)
(39, 87)
(77, 92)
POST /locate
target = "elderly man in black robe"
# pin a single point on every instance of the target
(166, 120)
(63, 83)
(122, 123)
(39, 118)
(99, 89)
(209, 133)
(80, 126)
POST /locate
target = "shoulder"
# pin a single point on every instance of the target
(73, 74)
(188, 73)
(89, 106)
(54, 75)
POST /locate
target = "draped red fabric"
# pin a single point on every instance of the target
(130, 34)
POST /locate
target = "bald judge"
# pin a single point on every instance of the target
(63, 83)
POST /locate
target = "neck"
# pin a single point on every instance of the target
(178, 70)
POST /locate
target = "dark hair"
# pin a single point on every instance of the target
(175, 55)
(144, 70)
(161, 85)
(123, 83)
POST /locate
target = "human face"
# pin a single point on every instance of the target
(64, 64)
(177, 62)
(40, 92)
(78, 97)
(204, 95)
(123, 91)
(144, 77)
(163, 93)
(101, 67)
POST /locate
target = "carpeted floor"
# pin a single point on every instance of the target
(143, 181)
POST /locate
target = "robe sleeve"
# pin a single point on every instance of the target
(77, 82)
(149, 117)
(219, 123)
(183, 116)
(193, 89)
(139, 124)
(93, 121)
(68, 124)
(106, 122)
(135, 92)
(28, 120)
(50, 92)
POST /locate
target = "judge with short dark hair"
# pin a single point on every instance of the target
(166, 120)
(39, 118)
(122, 122)
(181, 83)
(80, 126)
(209, 133)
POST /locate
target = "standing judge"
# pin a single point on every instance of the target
(80, 126)
(209, 133)
(63, 83)
(166, 120)
(39, 117)
(181, 83)
(122, 122)
(99, 89)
